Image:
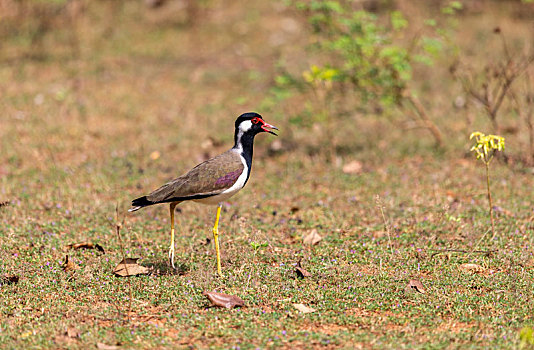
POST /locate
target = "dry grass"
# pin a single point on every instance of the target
(76, 137)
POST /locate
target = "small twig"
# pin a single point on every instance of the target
(485, 252)
(386, 225)
(497, 81)
(479, 241)
(118, 226)
(425, 120)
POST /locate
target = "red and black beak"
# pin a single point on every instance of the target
(265, 127)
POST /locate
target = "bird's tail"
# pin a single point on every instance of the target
(139, 203)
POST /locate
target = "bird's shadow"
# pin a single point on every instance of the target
(163, 269)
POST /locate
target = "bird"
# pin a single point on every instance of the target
(214, 180)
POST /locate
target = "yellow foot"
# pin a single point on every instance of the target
(171, 256)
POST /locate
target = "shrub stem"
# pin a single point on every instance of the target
(490, 201)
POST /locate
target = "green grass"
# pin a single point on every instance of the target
(67, 161)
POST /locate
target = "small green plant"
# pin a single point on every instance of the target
(361, 50)
(526, 338)
(362, 61)
(485, 148)
(257, 246)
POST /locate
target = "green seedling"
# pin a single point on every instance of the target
(257, 246)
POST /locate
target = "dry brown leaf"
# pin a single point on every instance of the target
(130, 267)
(354, 167)
(224, 300)
(207, 143)
(103, 346)
(415, 286)
(472, 268)
(86, 245)
(69, 265)
(303, 308)
(276, 146)
(312, 238)
(9, 279)
(301, 272)
(64, 339)
(48, 206)
(155, 155)
(72, 332)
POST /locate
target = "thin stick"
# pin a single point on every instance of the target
(118, 226)
(426, 122)
(485, 252)
(386, 225)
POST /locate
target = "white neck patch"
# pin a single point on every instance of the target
(243, 128)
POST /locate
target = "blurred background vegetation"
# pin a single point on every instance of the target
(431, 71)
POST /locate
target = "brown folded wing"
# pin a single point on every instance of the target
(206, 179)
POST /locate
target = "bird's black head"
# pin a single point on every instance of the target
(252, 123)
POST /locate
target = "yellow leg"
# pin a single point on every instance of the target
(171, 250)
(216, 238)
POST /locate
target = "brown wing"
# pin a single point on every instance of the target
(206, 179)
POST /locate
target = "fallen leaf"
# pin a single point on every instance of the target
(276, 146)
(130, 267)
(69, 265)
(415, 286)
(9, 279)
(312, 238)
(72, 332)
(303, 308)
(206, 241)
(26, 334)
(48, 206)
(224, 300)
(301, 273)
(472, 268)
(207, 143)
(354, 167)
(61, 339)
(103, 346)
(86, 245)
(155, 155)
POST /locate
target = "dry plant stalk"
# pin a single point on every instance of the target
(380, 207)
(492, 85)
(424, 120)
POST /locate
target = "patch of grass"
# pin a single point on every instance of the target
(76, 138)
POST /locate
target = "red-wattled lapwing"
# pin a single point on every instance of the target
(214, 180)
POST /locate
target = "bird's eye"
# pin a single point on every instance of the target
(255, 120)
